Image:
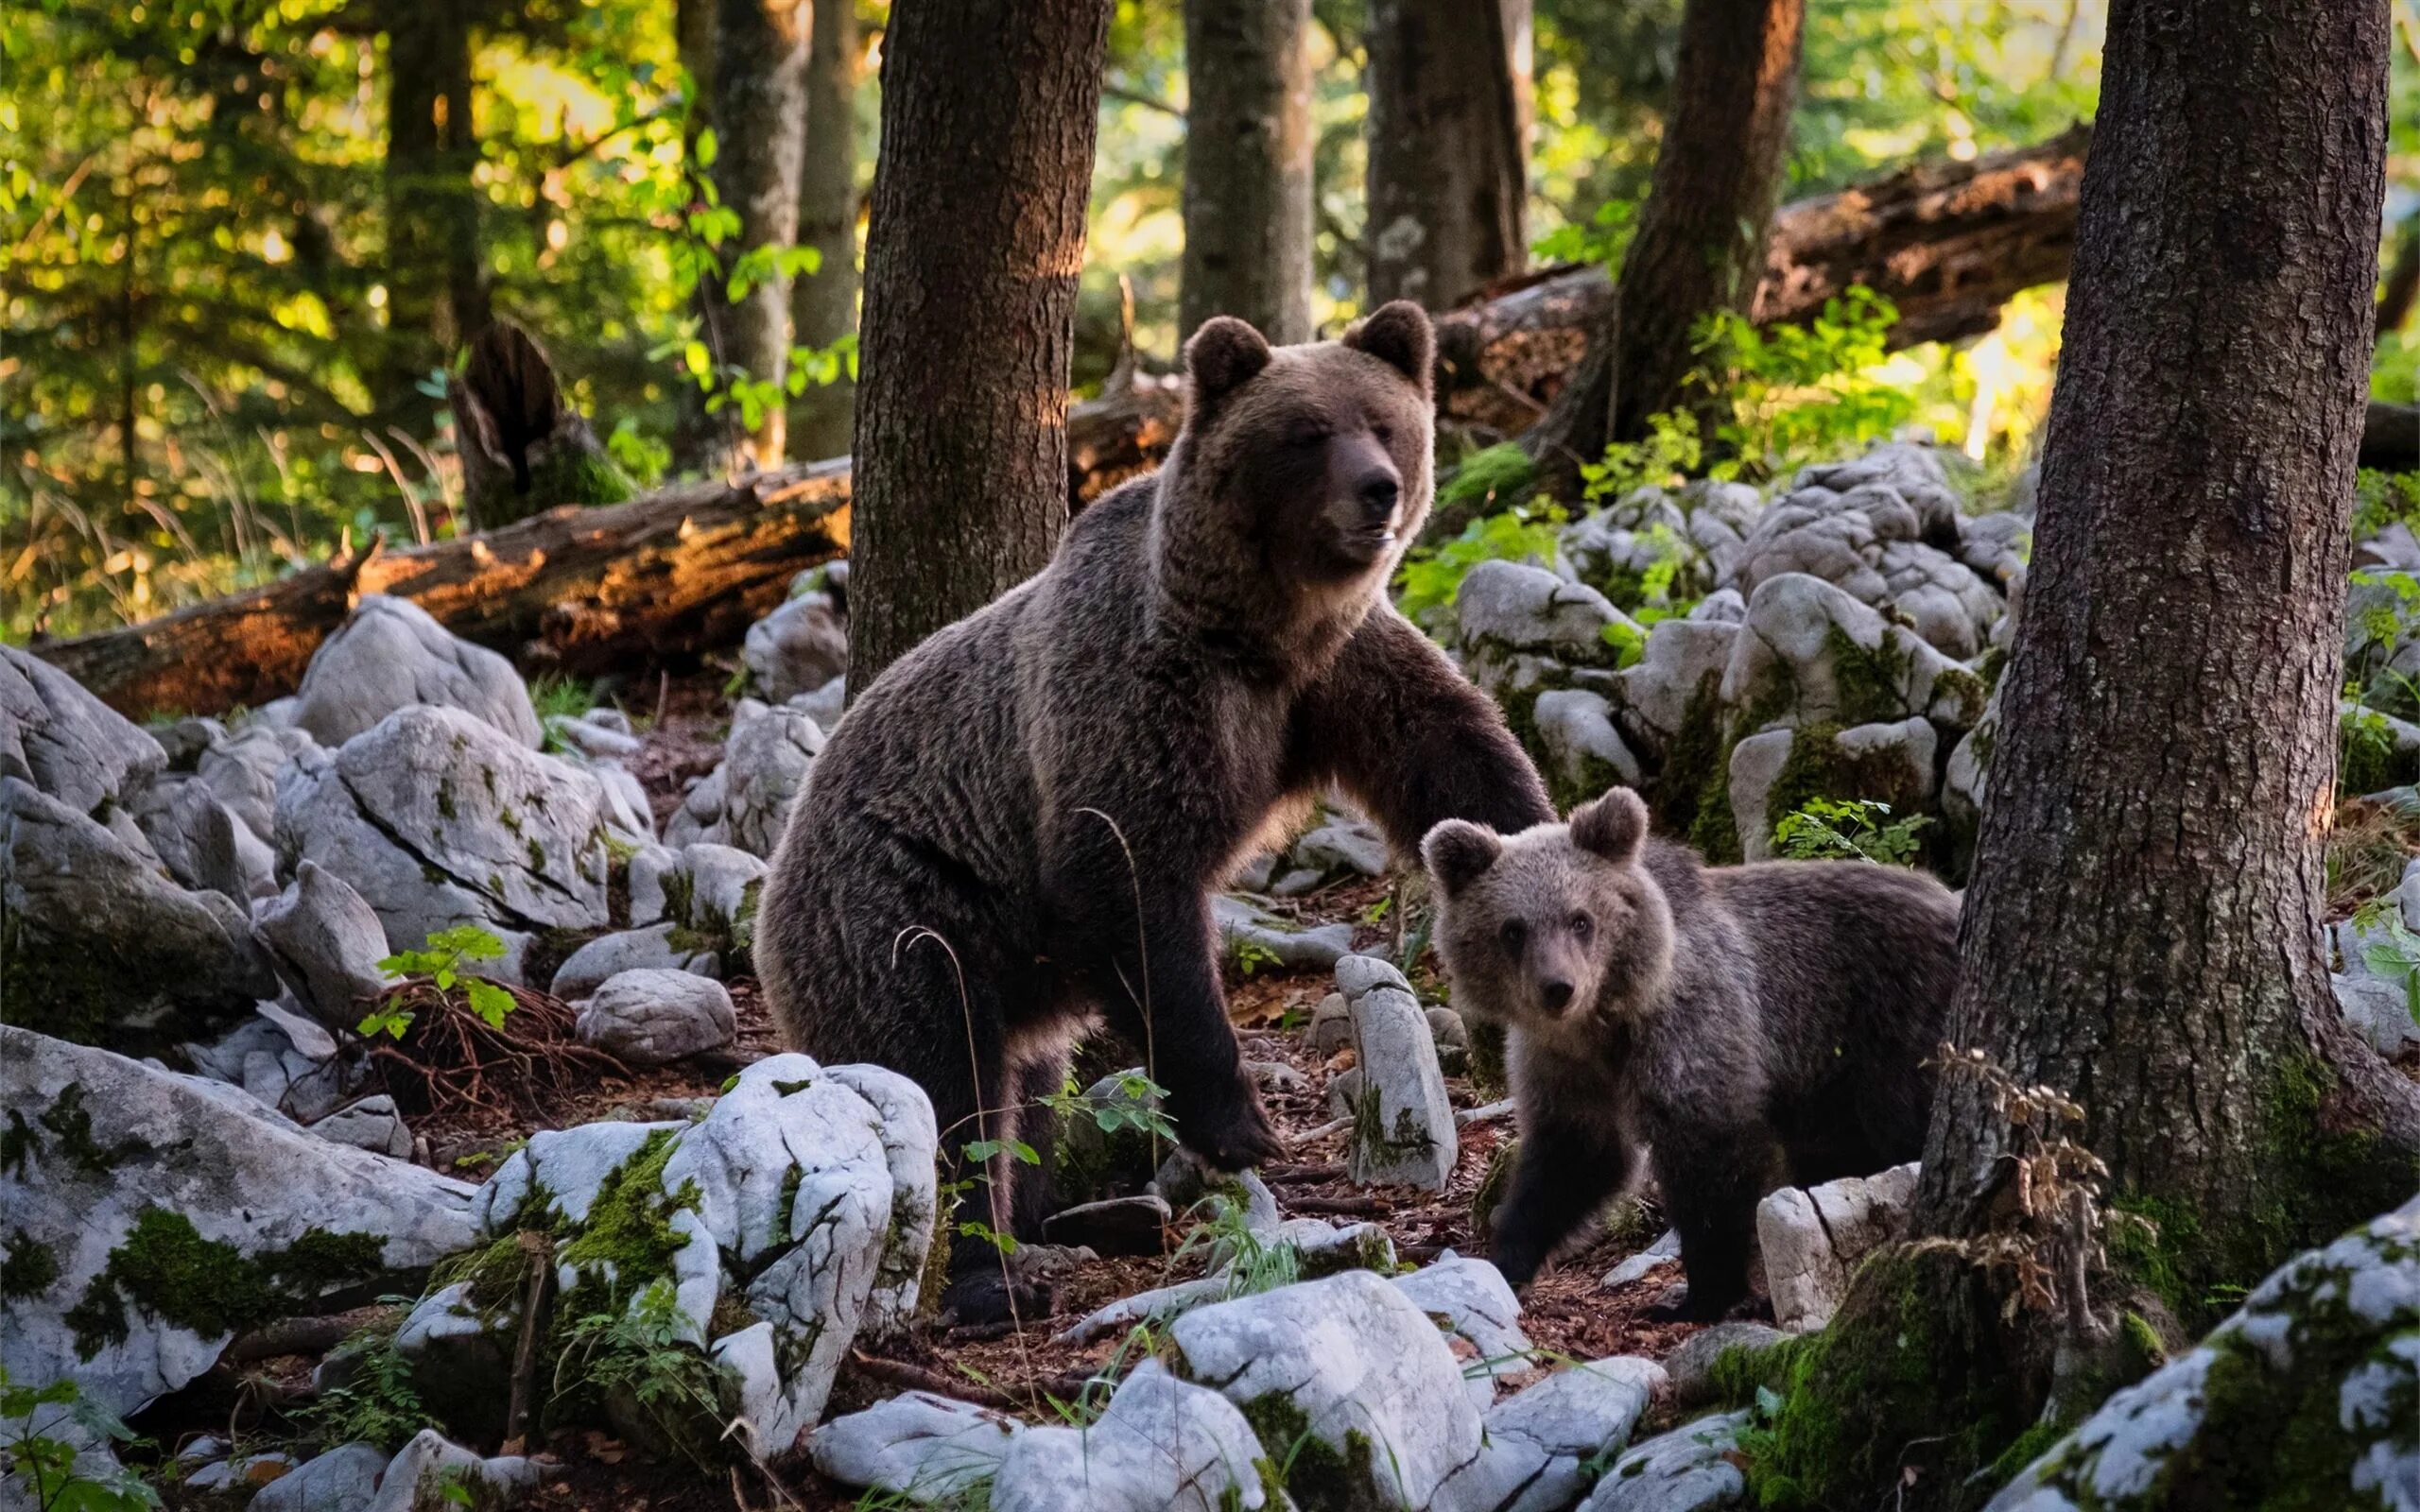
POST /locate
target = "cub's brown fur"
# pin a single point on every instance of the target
(1723, 1016)
(1017, 825)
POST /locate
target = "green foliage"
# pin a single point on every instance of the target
(41, 1461)
(373, 1400)
(1248, 1265)
(1135, 1104)
(1824, 829)
(2382, 499)
(2365, 757)
(1669, 455)
(1252, 956)
(1603, 239)
(2396, 956)
(1801, 393)
(640, 1355)
(557, 696)
(1428, 581)
(442, 961)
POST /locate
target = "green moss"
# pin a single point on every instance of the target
(444, 800)
(1495, 478)
(573, 474)
(1871, 680)
(628, 1239)
(1690, 759)
(67, 1118)
(1743, 1370)
(2027, 1447)
(29, 1268)
(209, 1287)
(1317, 1476)
(19, 1143)
(1970, 691)
(1714, 831)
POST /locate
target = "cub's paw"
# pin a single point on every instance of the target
(979, 1297)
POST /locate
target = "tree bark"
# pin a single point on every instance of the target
(1947, 242)
(760, 136)
(436, 278)
(824, 305)
(1247, 142)
(976, 234)
(2144, 928)
(702, 443)
(1702, 233)
(1447, 177)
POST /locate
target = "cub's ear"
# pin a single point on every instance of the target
(1222, 355)
(1459, 853)
(1613, 827)
(1399, 333)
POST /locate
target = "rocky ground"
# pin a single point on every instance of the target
(388, 1057)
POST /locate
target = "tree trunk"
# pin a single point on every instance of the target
(1250, 165)
(436, 279)
(2144, 928)
(988, 111)
(1447, 177)
(524, 448)
(1247, 142)
(824, 305)
(760, 137)
(1702, 233)
(702, 443)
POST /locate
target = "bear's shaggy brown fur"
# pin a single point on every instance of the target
(1017, 826)
(1723, 1016)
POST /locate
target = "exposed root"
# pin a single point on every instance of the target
(451, 1061)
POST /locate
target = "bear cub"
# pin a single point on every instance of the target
(1749, 1024)
(1016, 828)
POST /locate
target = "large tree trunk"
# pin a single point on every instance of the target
(436, 281)
(2144, 927)
(988, 111)
(1701, 239)
(824, 305)
(1248, 144)
(1447, 177)
(760, 137)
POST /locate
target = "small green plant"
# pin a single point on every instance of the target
(1248, 1263)
(1800, 393)
(1428, 580)
(2393, 951)
(1670, 455)
(1827, 829)
(1134, 1104)
(2365, 748)
(641, 1356)
(556, 697)
(1251, 955)
(442, 961)
(42, 1464)
(374, 1402)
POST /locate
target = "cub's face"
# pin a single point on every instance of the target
(1319, 455)
(1557, 930)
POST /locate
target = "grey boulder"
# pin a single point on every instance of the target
(390, 655)
(65, 742)
(652, 1016)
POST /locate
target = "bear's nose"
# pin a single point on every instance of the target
(1558, 996)
(1379, 491)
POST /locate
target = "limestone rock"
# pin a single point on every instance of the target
(1690, 1368)
(63, 742)
(1161, 1443)
(652, 949)
(1350, 1363)
(804, 643)
(1404, 1131)
(128, 1169)
(102, 949)
(1544, 1443)
(326, 941)
(1812, 1238)
(1583, 753)
(344, 1479)
(1470, 1300)
(926, 1448)
(1689, 1470)
(371, 1124)
(390, 654)
(1252, 934)
(650, 1017)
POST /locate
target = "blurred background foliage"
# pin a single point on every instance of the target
(203, 383)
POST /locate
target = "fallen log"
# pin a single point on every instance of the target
(1947, 242)
(673, 575)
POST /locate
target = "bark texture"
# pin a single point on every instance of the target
(1248, 144)
(1702, 233)
(824, 305)
(976, 234)
(435, 283)
(2143, 931)
(760, 136)
(1448, 176)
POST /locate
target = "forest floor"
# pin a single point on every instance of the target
(1566, 1313)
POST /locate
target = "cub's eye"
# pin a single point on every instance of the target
(1514, 933)
(1583, 926)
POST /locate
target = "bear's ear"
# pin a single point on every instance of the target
(1459, 853)
(1399, 334)
(1222, 355)
(1613, 827)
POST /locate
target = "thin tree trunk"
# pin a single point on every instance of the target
(1447, 179)
(1701, 240)
(988, 111)
(436, 277)
(824, 305)
(760, 135)
(703, 444)
(2144, 928)
(1248, 144)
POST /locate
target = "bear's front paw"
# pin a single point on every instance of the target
(979, 1297)
(1231, 1134)
(1684, 1303)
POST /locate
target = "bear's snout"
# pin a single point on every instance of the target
(1557, 995)
(1379, 490)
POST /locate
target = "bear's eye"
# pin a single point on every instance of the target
(1309, 433)
(1583, 926)
(1384, 433)
(1514, 933)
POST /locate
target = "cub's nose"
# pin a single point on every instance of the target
(1558, 995)
(1378, 493)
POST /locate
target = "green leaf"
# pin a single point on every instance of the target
(490, 1002)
